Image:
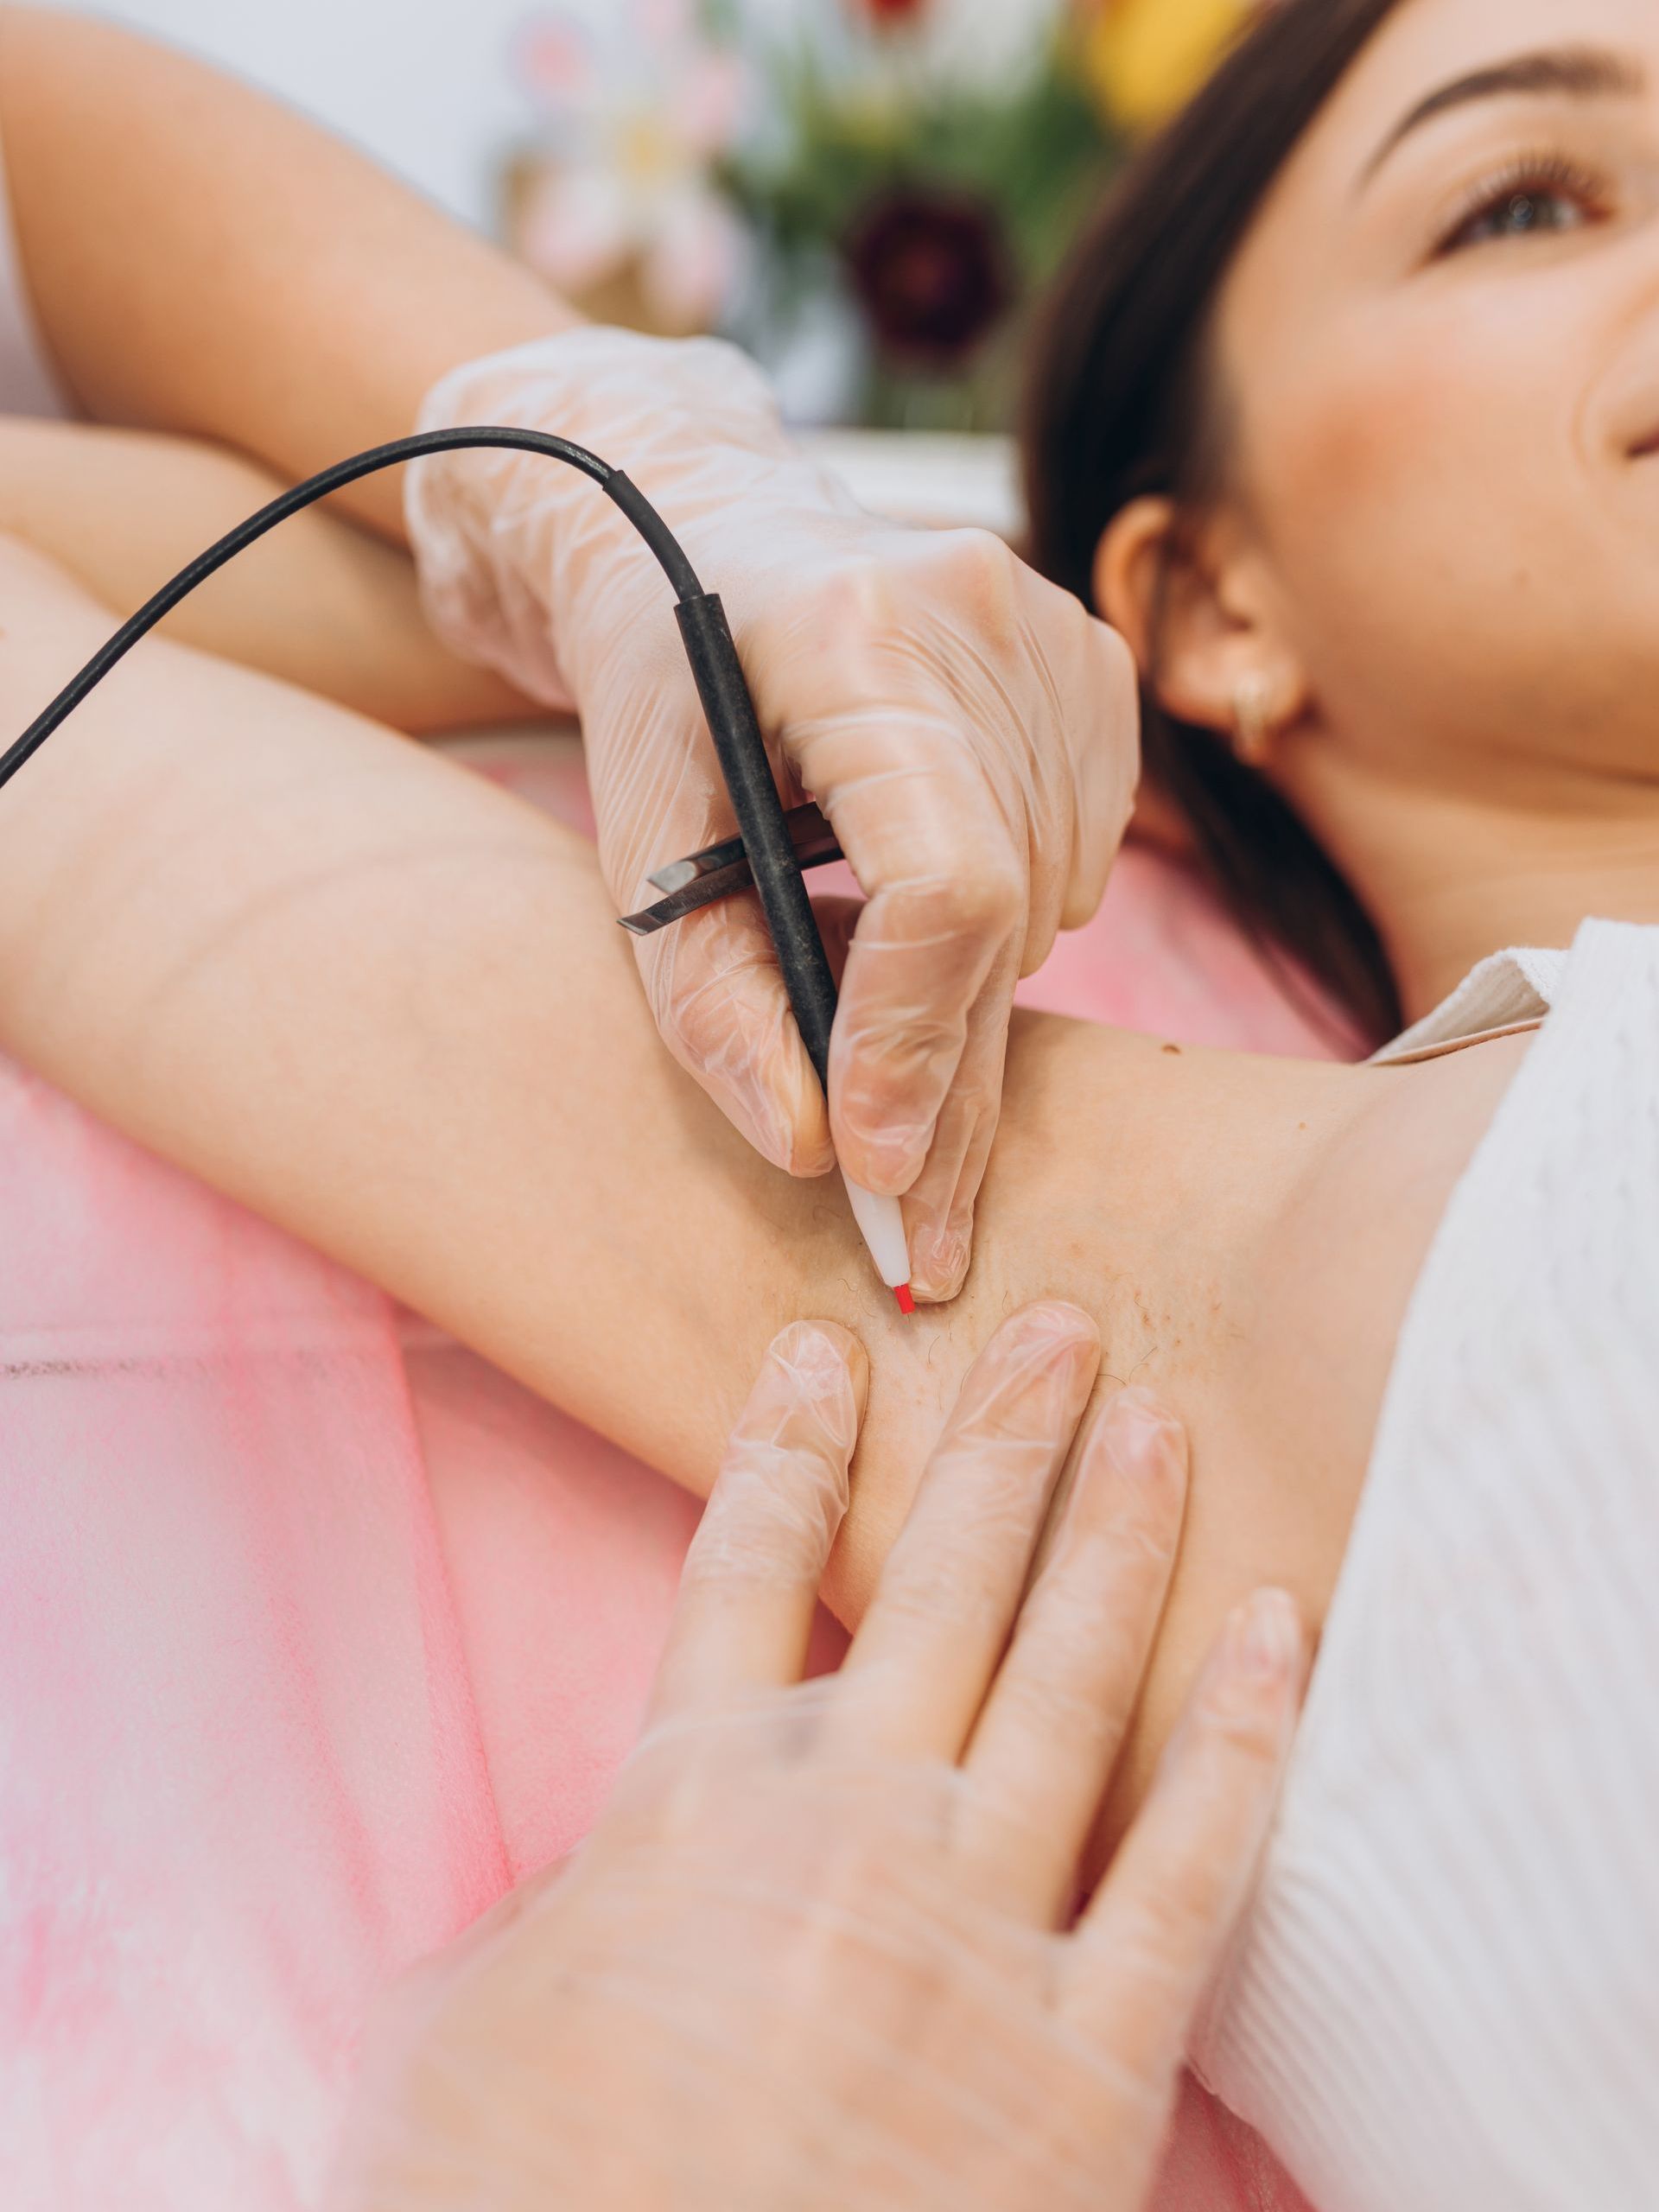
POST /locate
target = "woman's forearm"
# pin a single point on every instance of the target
(195, 254)
(318, 602)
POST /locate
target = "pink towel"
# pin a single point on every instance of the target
(319, 1632)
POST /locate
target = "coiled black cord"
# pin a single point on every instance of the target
(626, 494)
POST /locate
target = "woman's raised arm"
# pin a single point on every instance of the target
(388, 1007)
(318, 602)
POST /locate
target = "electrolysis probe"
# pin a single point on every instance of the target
(771, 847)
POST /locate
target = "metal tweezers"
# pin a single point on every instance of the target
(720, 870)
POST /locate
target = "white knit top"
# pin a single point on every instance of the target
(1446, 1998)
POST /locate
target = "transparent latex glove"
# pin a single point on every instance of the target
(823, 1949)
(969, 730)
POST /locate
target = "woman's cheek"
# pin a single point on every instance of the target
(1385, 430)
(1413, 501)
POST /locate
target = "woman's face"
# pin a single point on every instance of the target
(1438, 351)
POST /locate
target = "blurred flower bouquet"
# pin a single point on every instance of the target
(914, 169)
(616, 200)
(867, 193)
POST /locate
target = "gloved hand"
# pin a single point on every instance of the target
(969, 730)
(821, 1950)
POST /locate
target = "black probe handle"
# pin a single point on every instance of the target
(724, 691)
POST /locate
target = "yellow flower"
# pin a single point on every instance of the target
(1146, 57)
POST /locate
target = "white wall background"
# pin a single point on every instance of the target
(425, 85)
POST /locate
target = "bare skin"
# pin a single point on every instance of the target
(388, 1007)
(320, 602)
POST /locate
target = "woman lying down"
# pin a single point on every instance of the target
(1397, 541)
(388, 1006)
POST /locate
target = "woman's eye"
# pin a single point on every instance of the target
(1521, 207)
(1520, 214)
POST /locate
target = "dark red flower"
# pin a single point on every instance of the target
(891, 13)
(932, 270)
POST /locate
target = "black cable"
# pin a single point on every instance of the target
(627, 495)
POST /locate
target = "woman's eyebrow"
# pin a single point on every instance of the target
(1580, 72)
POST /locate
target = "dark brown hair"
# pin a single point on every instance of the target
(1119, 404)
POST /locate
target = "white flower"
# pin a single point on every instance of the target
(637, 106)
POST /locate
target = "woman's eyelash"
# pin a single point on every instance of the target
(1524, 182)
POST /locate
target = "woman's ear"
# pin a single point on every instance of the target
(1129, 566)
(1196, 612)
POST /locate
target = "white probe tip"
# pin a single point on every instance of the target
(881, 1225)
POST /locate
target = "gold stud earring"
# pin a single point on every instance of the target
(1252, 720)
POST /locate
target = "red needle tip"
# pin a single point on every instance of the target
(906, 1303)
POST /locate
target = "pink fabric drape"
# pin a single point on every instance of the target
(316, 1633)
